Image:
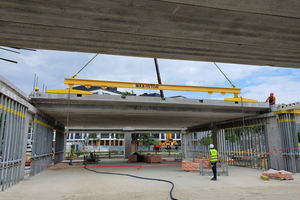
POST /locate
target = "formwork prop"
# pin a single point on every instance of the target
(223, 166)
(12, 129)
(41, 155)
(289, 140)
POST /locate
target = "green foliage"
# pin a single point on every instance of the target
(145, 139)
(206, 140)
(156, 142)
(120, 136)
(30, 127)
(232, 135)
(93, 136)
(128, 93)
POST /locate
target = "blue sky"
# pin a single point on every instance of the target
(52, 67)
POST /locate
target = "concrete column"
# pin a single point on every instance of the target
(215, 135)
(127, 141)
(273, 140)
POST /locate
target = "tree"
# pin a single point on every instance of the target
(207, 140)
(128, 93)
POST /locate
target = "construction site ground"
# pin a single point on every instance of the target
(74, 182)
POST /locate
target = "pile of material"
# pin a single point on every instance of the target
(206, 163)
(282, 175)
(190, 166)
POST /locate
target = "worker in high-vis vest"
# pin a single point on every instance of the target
(214, 157)
(71, 155)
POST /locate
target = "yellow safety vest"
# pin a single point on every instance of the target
(214, 155)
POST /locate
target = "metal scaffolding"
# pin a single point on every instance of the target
(241, 143)
(289, 141)
(12, 130)
(244, 143)
(60, 142)
(41, 155)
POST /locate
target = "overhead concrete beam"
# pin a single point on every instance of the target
(230, 31)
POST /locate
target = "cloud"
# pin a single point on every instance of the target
(52, 67)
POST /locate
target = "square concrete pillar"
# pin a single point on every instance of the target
(273, 140)
(127, 144)
(215, 135)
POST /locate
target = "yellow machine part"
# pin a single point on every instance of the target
(67, 91)
(263, 177)
(240, 99)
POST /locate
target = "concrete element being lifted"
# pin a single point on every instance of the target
(99, 112)
(256, 32)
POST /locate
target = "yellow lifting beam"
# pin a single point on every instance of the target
(67, 91)
(104, 84)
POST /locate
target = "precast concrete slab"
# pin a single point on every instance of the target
(256, 32)
(96, 112)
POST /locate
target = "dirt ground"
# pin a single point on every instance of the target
(74, 182)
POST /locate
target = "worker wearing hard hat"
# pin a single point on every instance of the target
(271, 99)
(214, 157)
(35, 92)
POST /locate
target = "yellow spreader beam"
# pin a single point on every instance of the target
(67, 91)
(104, 84)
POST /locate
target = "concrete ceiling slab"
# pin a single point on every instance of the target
(230, 31)
(96, 112)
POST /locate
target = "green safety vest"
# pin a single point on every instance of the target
(71, 152)
(214, 155)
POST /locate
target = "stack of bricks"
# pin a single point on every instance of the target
(156, 159)
(282, 175)
(132, 158)
(147, 158)
(190, 166)
(206, 163)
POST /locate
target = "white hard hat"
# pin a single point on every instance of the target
(211, 146)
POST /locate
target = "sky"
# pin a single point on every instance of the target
(51, 67)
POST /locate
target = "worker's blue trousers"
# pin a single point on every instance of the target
(214, 169)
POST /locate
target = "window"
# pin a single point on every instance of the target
(77, 136)
(101, 142)
(156, 135)
(178, 136)
(104, 135)
(106, 142)
(173, 135)
(162, 136)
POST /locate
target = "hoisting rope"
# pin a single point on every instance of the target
(225, 75)
(85, 66)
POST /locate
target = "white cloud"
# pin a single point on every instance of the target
(53, 66)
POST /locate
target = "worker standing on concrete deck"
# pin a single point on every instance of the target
(214, 157)
(271, 99)
(71, 155)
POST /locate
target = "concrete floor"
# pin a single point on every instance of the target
(75, 182)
